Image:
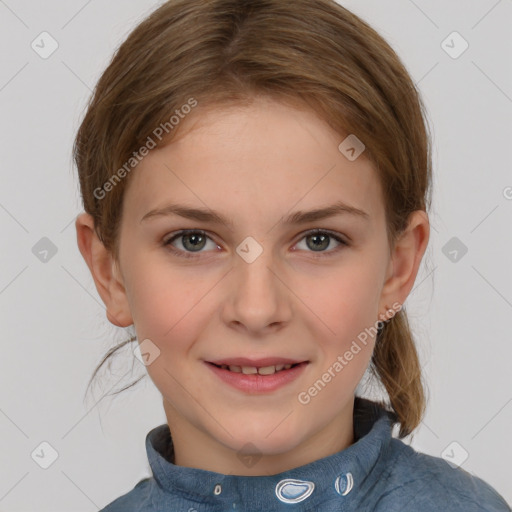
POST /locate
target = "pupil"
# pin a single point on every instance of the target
(323, 238)
(195, 244)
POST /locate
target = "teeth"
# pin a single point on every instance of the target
(251, 370)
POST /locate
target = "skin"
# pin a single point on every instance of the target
(254, 164)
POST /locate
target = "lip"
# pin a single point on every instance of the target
(255, 383)
(258, 363)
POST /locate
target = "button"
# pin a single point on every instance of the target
(294, 491)
(344, 484)
(217, 490)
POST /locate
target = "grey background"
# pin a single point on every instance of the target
(54, 327)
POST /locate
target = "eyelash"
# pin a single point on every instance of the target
(190, 255)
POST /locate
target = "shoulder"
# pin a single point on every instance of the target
(426, 483)
(138, 499)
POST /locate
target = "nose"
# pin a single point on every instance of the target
(259, 298)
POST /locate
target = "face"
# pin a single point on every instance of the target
(257, 284)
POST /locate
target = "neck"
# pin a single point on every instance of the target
(196, 448)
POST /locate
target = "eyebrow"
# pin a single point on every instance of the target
(298, 217)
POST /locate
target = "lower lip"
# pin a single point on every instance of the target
(255, 383)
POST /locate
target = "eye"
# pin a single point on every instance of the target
(320, 240)
(192, 240)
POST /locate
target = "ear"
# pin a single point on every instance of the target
(104, 271)
(405, 260)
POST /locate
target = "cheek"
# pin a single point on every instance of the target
(348, 305)
(346, 301)
(166, 303)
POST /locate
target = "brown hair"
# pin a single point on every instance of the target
(314, 51)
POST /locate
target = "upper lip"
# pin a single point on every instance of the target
(265, 361)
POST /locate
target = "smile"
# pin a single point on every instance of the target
(251, 370)
(256, 380)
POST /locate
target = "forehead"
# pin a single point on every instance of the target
(263, 157)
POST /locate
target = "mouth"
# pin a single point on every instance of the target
(258, 379)
(268, 369)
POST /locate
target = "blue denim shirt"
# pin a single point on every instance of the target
(376, 473)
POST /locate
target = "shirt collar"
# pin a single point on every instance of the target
(338, 475)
